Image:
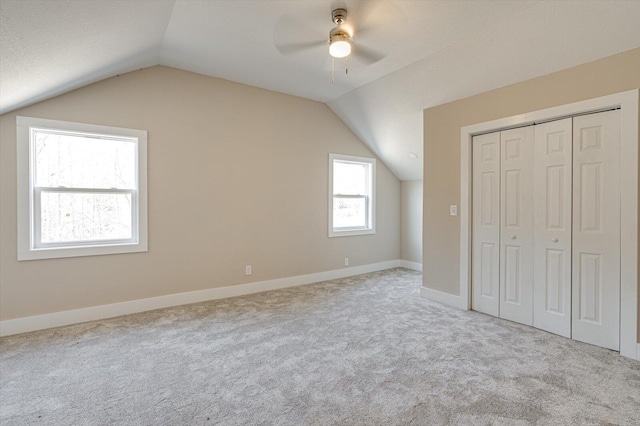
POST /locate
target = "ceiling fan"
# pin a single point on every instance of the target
(340, 41)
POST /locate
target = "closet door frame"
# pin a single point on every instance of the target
(628, 102)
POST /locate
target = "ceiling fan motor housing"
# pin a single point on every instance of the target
(338, 34)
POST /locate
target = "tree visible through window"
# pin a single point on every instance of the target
(84, 185)
(352, 190)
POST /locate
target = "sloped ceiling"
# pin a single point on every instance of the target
(436, 51)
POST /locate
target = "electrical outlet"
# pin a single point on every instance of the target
(247, 270)
(346, 261)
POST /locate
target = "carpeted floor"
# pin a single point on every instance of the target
(365, 350)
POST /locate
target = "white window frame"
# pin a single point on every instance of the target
(29, 196)
(369, 197)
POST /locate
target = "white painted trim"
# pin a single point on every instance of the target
(410, 265)
(371, 202)
(442, 297)
(58, 319)
(465, 219)
(628, 102)
(629, 224)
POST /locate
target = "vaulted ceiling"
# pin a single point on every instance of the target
(435, 51)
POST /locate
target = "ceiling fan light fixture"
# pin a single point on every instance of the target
(339, 45)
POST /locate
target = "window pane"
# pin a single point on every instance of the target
(68, 217)
(77, 161)
(349, 178)
(349, 212)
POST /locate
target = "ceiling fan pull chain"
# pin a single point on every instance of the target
(346, 65)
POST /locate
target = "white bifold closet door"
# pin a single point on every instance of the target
(546, 226)
(516, 232)
(552, 226)
(502, 239)
(596, 229)
(486, 224)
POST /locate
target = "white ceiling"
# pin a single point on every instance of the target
(437, 51)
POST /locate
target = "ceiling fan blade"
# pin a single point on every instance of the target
(287, 49)
(365, 54)
(291, 36)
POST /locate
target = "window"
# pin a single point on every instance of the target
(351, 195)
(81, 189)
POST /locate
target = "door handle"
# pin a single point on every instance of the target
(555, 240)
(513, 237)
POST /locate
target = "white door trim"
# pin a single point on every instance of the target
(628, 102)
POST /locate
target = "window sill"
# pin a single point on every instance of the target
(61, 252)
(351, 232)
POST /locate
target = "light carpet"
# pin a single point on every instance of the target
(365, 350)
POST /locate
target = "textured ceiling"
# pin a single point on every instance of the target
(50, 47)
(436, 51)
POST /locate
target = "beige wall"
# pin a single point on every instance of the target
(442, 146)
(237, 176)
(411, 220)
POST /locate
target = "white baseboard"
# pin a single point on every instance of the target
(75, 316)
(442, 297)
(410, 265)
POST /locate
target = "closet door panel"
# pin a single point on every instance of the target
(516, 234)
(596, 229)
(486, 224)
(552, 226)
